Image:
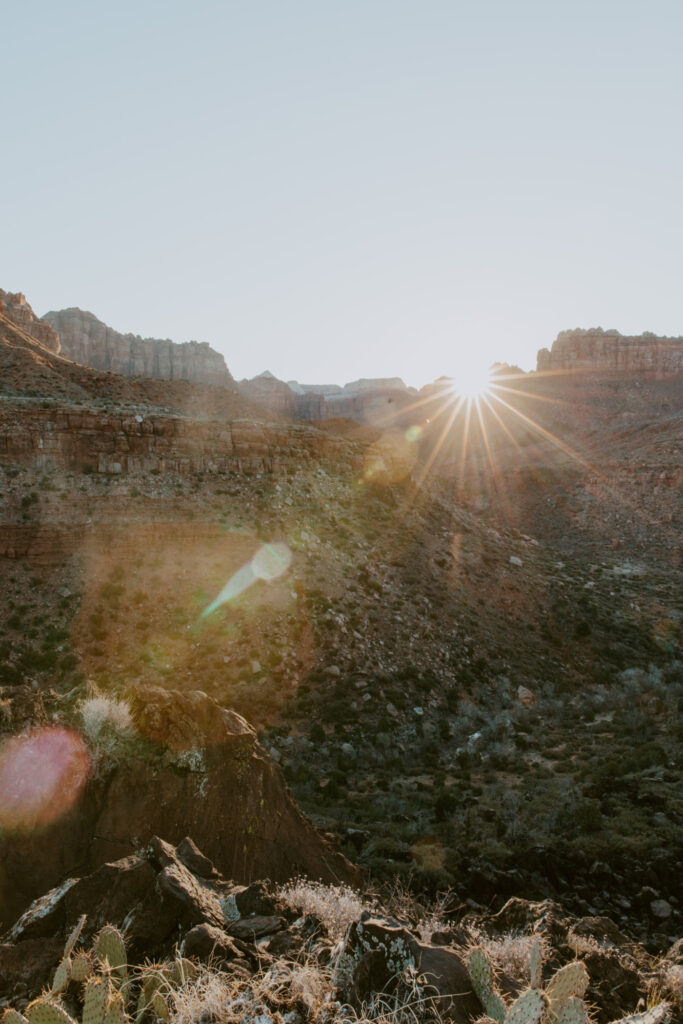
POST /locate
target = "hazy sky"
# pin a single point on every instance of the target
(353, 188)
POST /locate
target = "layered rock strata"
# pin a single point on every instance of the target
(379, 401)
(98, 442)
(88, 341)
(606, 351)
(17, 309)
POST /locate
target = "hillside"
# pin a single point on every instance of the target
(460, 643)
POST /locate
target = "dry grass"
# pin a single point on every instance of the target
(101, 713)
(287, 993)
(337, 906)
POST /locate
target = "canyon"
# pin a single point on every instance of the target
(464, 668)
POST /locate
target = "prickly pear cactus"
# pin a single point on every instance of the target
(528, 1008)
(116, 1011)
(481, 976)
(569, 981)
(535, 961)
(95, 1000)
(109, 946)
(13, 1017)
(74, 936)
(62, 976)
(573, 1012)
(82, 966)
(660, 1014)
(43, 1011)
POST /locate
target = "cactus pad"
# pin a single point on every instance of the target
(660, 1014)
(529, 1008)
(481, 976)
(110, 946)
(182, 971)
(535, 961)
(13, 1017)
(81, 966)
(571, 980)
(95, 1001)
(160, 1006)
(74, 936)
(43, 1011)
(573, 1011)
(62, 976)
(116, 1012)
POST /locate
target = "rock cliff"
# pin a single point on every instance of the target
(595, 349)
(17, 309)
(373, 401)
(87, 340)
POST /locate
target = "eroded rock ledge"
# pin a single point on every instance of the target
(595, 349)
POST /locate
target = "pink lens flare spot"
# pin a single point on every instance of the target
(41, 776)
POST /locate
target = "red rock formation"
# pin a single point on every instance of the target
(18, 310)
(191, 767)
(117, 444)
(88, 341)
(605, 351)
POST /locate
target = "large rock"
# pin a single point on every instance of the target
(191, 768)
(14, 306)
(380, 401)
(87, 340)
(378, 952)
(155, 899)
(605, 351)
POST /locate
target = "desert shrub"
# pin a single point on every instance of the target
(337, 906)
(104, 714)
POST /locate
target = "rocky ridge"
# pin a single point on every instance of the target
(607, 351)
(15, 306)
(373, 401)
(88, 341)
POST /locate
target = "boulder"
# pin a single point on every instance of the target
(380, 952)
(191, 767)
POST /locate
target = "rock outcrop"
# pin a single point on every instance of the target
(606, 351)
(17, 309)
(189, 766)
(373, 401)
(88, 341)
(97, 442)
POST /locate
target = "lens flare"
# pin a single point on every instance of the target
(41, 776)
(269, 562)
(390, 459)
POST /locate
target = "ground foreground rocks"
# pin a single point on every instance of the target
(171, 900)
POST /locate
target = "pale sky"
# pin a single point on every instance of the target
(358, 188)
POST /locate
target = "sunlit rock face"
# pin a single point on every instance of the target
(606, 351)
(187, 766)
(88, 341)
(14, 306)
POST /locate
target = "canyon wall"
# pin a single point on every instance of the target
(374, 401)
(595, 349)
(88, 341)
(114, 444)
(17, 309)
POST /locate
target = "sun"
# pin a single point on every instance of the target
(471, 380)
